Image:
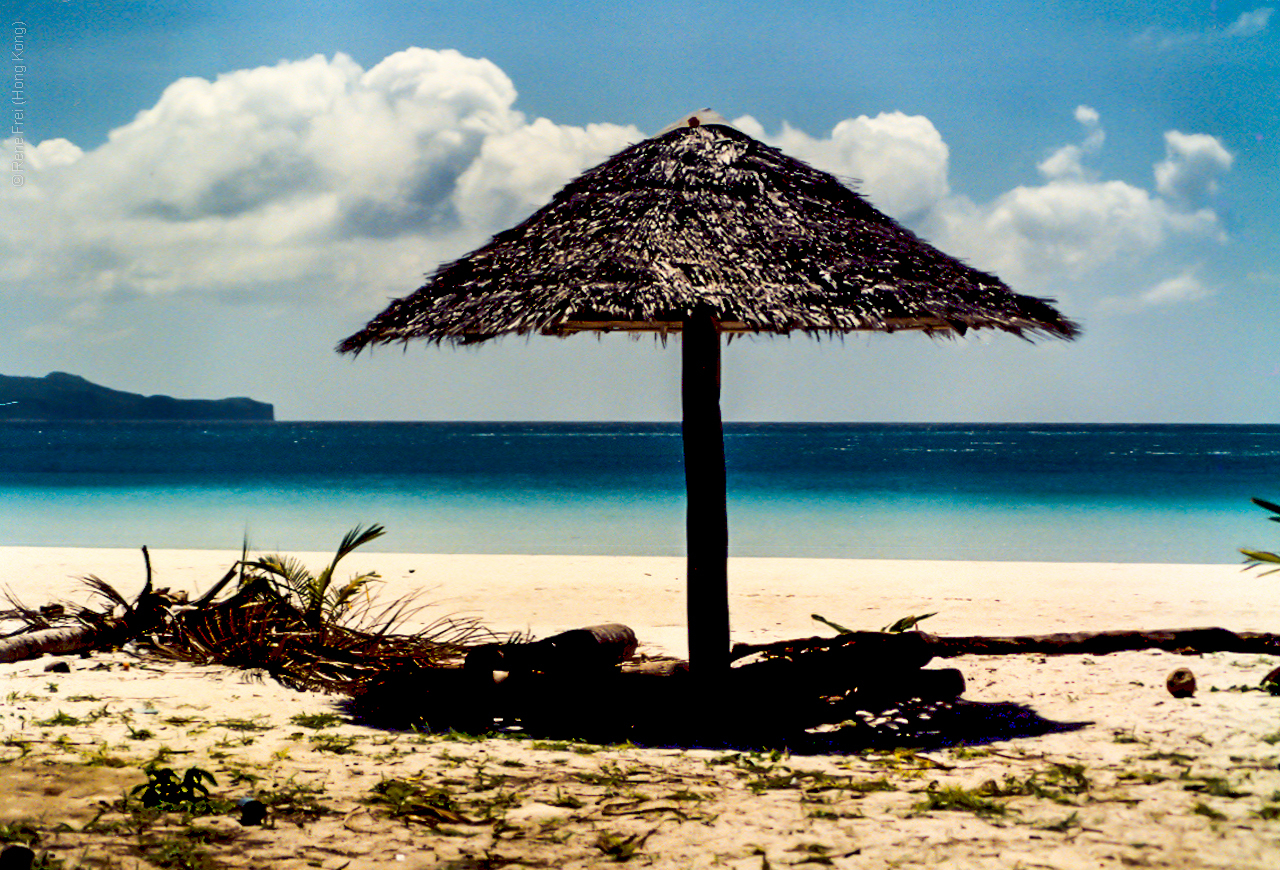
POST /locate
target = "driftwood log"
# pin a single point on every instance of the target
(911, 645)
(1183, 640)
(63, 640)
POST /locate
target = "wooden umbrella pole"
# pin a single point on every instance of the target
(707, 522)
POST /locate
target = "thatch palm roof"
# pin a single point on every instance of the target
(705, 218)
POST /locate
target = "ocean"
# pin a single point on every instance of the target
(1099, 493)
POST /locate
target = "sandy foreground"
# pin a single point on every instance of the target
(1149, 781)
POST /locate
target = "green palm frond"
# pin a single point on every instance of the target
(1258, 558)
(286, 568)
(840, 629)
(320, 591)
(907, 623)
(340, 599)
(314, 595)
(289, 578)
(356, 538)
(1267, 505)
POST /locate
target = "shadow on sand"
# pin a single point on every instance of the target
(675, 712)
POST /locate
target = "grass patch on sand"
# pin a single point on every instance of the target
(565, 746)
(1214, 786)
(23, 832)
(620, 847)
(1203, 809)
(58, 719)
(1061, 783)
(410, 801)
(316, 721)
(254, 724)
(295, 802)
(612, 777)
(101, 756)
(334, 743)
(1062, 825)
(183, 849)
(954, 798)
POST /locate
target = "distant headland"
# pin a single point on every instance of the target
(60, 396)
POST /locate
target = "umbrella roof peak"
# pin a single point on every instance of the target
(706, 220)
(695, 119)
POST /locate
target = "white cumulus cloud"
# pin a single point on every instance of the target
(898, 161)
(1071, 223)
(310, 176)
(1250, 23)
(1186, 286)
(1245, 26)
(1068, 160)
(1075, 222)
(503, 185)
(53, 153)
(1065, 226)
(1180, 288)
(1192, 165)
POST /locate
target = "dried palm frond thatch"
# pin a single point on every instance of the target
(706, 218)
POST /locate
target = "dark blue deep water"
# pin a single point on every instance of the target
(1115, 493)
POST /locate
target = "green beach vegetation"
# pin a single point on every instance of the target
(1257, 558)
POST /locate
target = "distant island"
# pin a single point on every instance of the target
(60, 396)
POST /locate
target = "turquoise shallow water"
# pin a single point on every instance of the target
(1056, 493)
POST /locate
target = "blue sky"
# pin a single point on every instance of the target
(210, 198)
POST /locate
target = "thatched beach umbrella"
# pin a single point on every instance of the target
(703, 230)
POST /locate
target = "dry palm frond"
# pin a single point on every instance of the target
(59, 614)
(30, 619)
(65, 628)
(307, 632)
(105, 590)
(263, 635)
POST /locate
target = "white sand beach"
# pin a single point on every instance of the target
(1151, 780)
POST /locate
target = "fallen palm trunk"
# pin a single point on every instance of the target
(1189, 640)
(910, 646)
(852, 649)
(51, 641)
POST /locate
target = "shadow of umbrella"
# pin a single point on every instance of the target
(703, 230)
